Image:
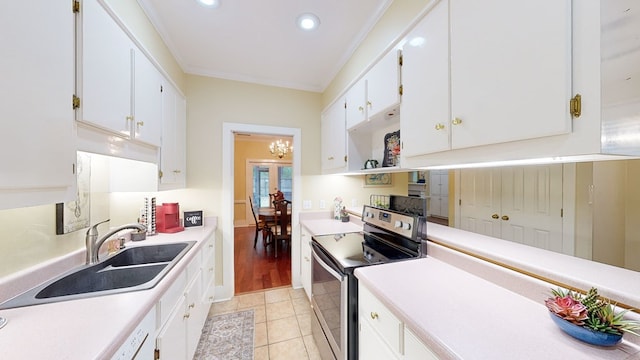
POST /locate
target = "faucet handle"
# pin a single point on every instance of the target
(94, 229)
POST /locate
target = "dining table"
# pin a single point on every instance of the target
(268, 216)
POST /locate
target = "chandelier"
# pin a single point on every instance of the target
(280, 149)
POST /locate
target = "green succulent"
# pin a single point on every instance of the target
(601, 314)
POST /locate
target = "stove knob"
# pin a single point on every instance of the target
(406, 226)
(398, 224)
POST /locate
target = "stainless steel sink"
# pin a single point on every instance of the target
(133, 269)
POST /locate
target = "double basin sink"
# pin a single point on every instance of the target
(133, 269)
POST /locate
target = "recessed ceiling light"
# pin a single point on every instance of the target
(308, 21)
(209, 3)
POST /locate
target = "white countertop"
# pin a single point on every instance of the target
(92, 328)
(330, 226)
(462, 316)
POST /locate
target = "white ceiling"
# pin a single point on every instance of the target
(257, 41)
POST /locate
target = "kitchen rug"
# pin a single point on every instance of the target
(227, 337)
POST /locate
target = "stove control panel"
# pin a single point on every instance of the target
(391, 221)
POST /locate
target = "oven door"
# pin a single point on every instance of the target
(329, 289)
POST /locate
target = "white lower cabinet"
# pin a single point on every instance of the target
(383, 335)
(416, 349)
(305, 260)
(183, 309)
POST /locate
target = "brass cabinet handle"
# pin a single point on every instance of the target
(495, 216)
(505, 217)
(374, 315)
(177, 171)
(439, 126)
(185, 316)
(140, 123)
(456, 121)
(330, 158)
(192, 305)
(129, 118)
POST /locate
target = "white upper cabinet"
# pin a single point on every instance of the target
(383, 84)
(333, 138)
(147, 109)
(510, 70)
(38, 146)
(376, 92)
(425, 111)
(106, 71)
(120, 86)
(356, 103)
(476, 76)
(173, 156)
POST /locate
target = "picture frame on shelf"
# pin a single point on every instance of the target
(378, 180)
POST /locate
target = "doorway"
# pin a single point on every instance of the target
(226, 285)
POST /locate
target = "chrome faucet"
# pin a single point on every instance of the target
(93, 244)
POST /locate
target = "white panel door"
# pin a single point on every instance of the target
(510, 70)
(333, 137)
(520, 204)
(383, 82)
(531, 206)
(480, 201)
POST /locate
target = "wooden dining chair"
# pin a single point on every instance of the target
(281, 230)
(260, 225)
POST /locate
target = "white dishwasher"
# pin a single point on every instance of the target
(138, 345)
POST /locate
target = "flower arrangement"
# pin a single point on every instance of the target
(590, 311)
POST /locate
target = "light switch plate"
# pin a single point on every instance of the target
(322, 204)
(306, 204)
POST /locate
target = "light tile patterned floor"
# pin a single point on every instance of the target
(283, 323)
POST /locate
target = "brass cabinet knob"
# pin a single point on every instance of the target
(495, 216)
(369, 103)
(185, 316)
(456, 121)
(129, 118)
(192, 305)
(176, 171)
(360, 108)
(330, 158)
(374, 315)
(505, 217)
(140, 123)
(439, 126)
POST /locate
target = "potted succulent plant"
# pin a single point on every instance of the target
(344, 215)
(589, 317)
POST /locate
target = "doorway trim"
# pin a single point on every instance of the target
(227, 289)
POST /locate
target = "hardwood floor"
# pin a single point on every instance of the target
(258, 269)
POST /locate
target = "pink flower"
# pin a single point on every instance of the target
(567, 308)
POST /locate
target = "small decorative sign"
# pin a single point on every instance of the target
(192, 218)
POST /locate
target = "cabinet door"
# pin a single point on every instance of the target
(305, 261)
(510, 75)
(333, 137)
(173, 148)
(171, 342)
(106, 70)
(383, 84)
(38, 139)
(371, 345)
(414, 349)
(196, 315)
(425, 81)
(356, 104)
(147, 109)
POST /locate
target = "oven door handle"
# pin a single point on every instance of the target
(328, 268)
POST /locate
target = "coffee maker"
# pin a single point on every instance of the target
(168, 218)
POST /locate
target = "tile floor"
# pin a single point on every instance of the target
(282, 323)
